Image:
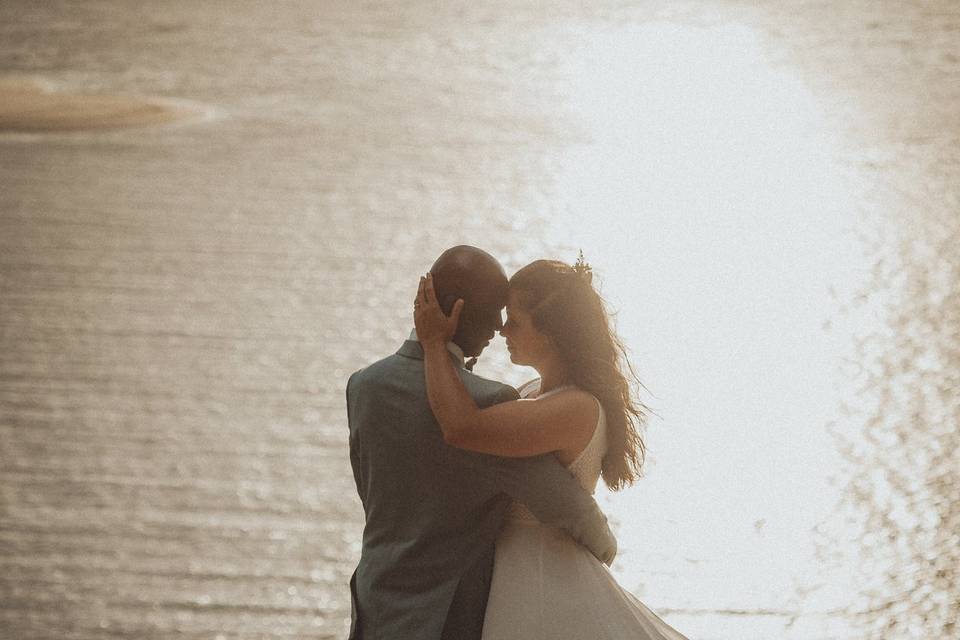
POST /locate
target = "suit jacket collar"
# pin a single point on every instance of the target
(413, 349)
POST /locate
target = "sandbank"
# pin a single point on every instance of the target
(27, 106)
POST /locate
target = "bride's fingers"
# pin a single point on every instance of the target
(429, 294)
(421, 296)
(455, 313)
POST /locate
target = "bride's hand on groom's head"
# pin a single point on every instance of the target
(432, 324)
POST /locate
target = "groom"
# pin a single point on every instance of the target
(433, 511)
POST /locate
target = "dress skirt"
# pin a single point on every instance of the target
(545, 586)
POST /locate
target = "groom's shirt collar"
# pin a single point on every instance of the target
(452, 347)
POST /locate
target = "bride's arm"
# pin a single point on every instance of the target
(515, 429)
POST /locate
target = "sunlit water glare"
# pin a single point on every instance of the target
(708, 197)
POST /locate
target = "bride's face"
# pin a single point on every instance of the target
(526, 345)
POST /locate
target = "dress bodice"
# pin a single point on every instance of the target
(585, 467)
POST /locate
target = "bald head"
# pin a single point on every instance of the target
(476, 276)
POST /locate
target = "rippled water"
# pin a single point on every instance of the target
(770, 198)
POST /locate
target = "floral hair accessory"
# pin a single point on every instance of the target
(583, 269)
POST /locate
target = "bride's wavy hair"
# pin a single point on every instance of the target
(566, 308)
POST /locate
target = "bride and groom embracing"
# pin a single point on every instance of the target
(480, 522)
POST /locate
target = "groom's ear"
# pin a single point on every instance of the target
(447, 302)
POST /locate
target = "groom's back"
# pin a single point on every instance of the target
(427, 520)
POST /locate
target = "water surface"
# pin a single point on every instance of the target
(758, 191)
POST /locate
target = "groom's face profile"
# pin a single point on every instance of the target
(479, 323)
(476, 276)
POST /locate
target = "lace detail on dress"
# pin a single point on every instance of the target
(585, 467)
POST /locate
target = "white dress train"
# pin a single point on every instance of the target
(546, 586)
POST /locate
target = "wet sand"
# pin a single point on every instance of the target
(27, 106)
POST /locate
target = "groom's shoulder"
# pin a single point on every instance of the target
(486, 390)
(381, 369)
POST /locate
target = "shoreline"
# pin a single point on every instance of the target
(27, 106)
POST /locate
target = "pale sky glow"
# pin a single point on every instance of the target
(708, 199)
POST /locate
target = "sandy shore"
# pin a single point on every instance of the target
(27, 106)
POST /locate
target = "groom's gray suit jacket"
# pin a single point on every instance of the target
(434, 511)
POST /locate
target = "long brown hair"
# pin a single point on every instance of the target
(566, 308)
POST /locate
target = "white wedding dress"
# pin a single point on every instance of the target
(547, 587)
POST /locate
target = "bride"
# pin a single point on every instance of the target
(582, 410)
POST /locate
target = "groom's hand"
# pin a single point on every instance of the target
(607, 552)
(611, 553)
